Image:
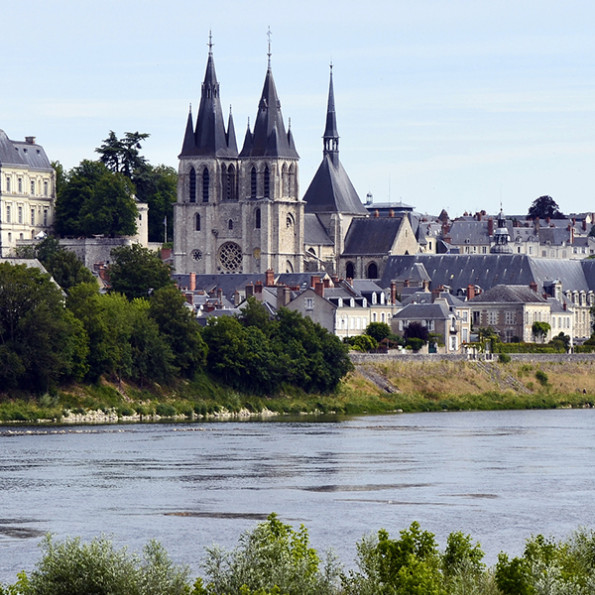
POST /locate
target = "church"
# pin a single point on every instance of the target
(240, 211)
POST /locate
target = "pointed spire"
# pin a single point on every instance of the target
(331, 136)
(188, 144)
(231, 134)
(210, 136)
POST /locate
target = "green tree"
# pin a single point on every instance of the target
(179, 328)
(75, 568)
(272, 558)
(362, 343)
(137, 271)
(540, 330)
(543, 207)
(378, 331)
(95, 201)
(39, 339)
(123, 155)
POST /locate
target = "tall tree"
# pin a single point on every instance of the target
(123, 155)
(543, 207)
(137, 272)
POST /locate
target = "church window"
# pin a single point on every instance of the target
(225, 193)
(230, 224)
(372, 271)
(289, 221)
(284, 180)
(197, 221)
(230, 257)
(257, 221)
(205, 185)
(291, 182)
(267, 182)
(288, 267)
(253, 183)
(192, 186)
(197, 254)
(231, 183)
(349, 271)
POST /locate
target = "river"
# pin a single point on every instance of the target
(500, 476)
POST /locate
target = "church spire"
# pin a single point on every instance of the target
(331, 136)
(210, 136)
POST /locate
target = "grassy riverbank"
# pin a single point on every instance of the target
(371, 388)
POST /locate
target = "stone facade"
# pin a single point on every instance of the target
(27, 192)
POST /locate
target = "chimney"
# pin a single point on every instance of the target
(327, 282)
(286, 292)
(572, 235)
(376, 213)
(249, 290)
(269, 278)
(585, 224)
(192, 282)
(393, 293)
(406, 283)
(479, 215)
(391, 213)
(314, 279)
(319, 288)
(258, 288)
(564, 306)
(189, 298)
(470, 291)
(30, 140)
(533, 286)
(491, 226)
(236, 298)
(220, 295)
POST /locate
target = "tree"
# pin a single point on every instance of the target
(122, 155)
(378, 331)
(95, 201)
(416, 330)
(543, 207)
(137, 271)
(540, 330)
(40, 342)
(272, 558)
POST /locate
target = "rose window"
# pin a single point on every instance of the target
(230, 257)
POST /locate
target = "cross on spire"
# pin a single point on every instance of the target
(269, 34)
(210, 44)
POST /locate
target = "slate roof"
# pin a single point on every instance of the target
(209, 138)
(227, 283)
(22, 153)
(373, 236)
(509, 294)
(469, 232)
(331, 191)
(314, 232)
(435, 311)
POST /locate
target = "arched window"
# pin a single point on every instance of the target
(372, 271)
(291, 186)
(267, 182)
(349, 271)
(192, 186)
(284, 181)
(253, 183)
(231, 183)
(230, 224)
(257, 219)
(197, 221)
(205, 185)
(289, 221)
(224, 181)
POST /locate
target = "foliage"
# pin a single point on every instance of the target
(122, 155)
(504, 358)
(95, 201)
(137, 271)
(40, 343)
(272, 558)
(416, 330)
(415, 343)
(75, 568)
(362, 343)
(378, 331)
(540, 329)
(561, 342)
(541, 377)
(543, 207)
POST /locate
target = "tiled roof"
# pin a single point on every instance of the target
(373, 236)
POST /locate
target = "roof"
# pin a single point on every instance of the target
(22, 153)
(269, 138)
(209, 137)
(314, 232)
(372, 236)
(435, 311)
(469, 232)
(331, 190)
(509, 294)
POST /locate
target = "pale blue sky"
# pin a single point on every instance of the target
(450, 104)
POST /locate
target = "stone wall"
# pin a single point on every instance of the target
(394, 356)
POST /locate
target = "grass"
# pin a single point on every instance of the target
(416, 386)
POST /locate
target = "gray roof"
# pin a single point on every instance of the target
(26, 154)
(372, 236)
(331, 191)
(314, 232)
(423, 312)
(469, 232)
(227, 283)
(509, 294)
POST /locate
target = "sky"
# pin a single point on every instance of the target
(454, 104)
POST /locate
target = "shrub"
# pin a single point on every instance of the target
(541, 377)
(504, 358)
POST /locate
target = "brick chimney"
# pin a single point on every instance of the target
(258, 289)
(249, 290)
(220, 295)
(269, 278)
(192, 282)
(319, 288)
(391, 213)
(393, 293)
(327, 282)
(533, 286)
(491, 226)
(470, 291)
(376, 213)
(314, 279)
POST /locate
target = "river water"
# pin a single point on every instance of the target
(500, 476)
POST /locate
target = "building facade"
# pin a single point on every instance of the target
(27, 192)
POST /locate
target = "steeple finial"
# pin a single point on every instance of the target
(269, 34)
(210, 44)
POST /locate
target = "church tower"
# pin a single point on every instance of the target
(238, 213)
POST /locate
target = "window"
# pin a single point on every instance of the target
(289, 222)
(253, 183)
(32, 187)
(372, 271)
(20, 185)
(205, 185)
(45, 217)
(492, 317)
(267, 182)
(7, 183)
(230, 224)
(46, 188)
(257, 219)
(197, 222)
(309, 303)
(192, 186)
(32, 216)
(7, 213)
(20, 214)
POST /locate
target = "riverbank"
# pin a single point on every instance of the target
(389, 386)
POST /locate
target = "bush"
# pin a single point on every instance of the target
(504, 358)
(79, 568)
(541, 377)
